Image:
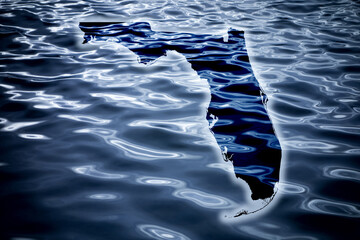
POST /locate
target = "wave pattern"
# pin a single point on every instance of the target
(67, 109)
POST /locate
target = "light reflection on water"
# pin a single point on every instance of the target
(157, 232)
(92, 172)
(84, 118)
(103, 196)
(341, 173)
(333, 208)
(304, 55)
(202, 199)
(130, 149)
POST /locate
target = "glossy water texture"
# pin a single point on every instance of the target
(236, 112)
(76, 119)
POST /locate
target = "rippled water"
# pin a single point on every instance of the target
(79, 156)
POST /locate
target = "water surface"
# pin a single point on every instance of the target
(76, 162)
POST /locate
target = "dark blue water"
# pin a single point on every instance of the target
(95, 144)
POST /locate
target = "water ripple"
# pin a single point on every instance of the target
(147, 100)
(103, 196)
(34, 136)
(224, 166)
(84, 118)
(203, 199)
(342, 173)
(11, 127)
(157, 181)
(7, 86)
(200, 198)
(188, 125)
(332, 208)
(307, 144)
(267, 231)
(160, 233)
(46, 101)
(130, 149)
(137, 151)
(344, 129)
(291, 188)
(3, 120)
(90, 170)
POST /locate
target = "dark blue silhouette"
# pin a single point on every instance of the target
(244, 128)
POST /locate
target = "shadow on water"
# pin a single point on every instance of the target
(237, 111)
